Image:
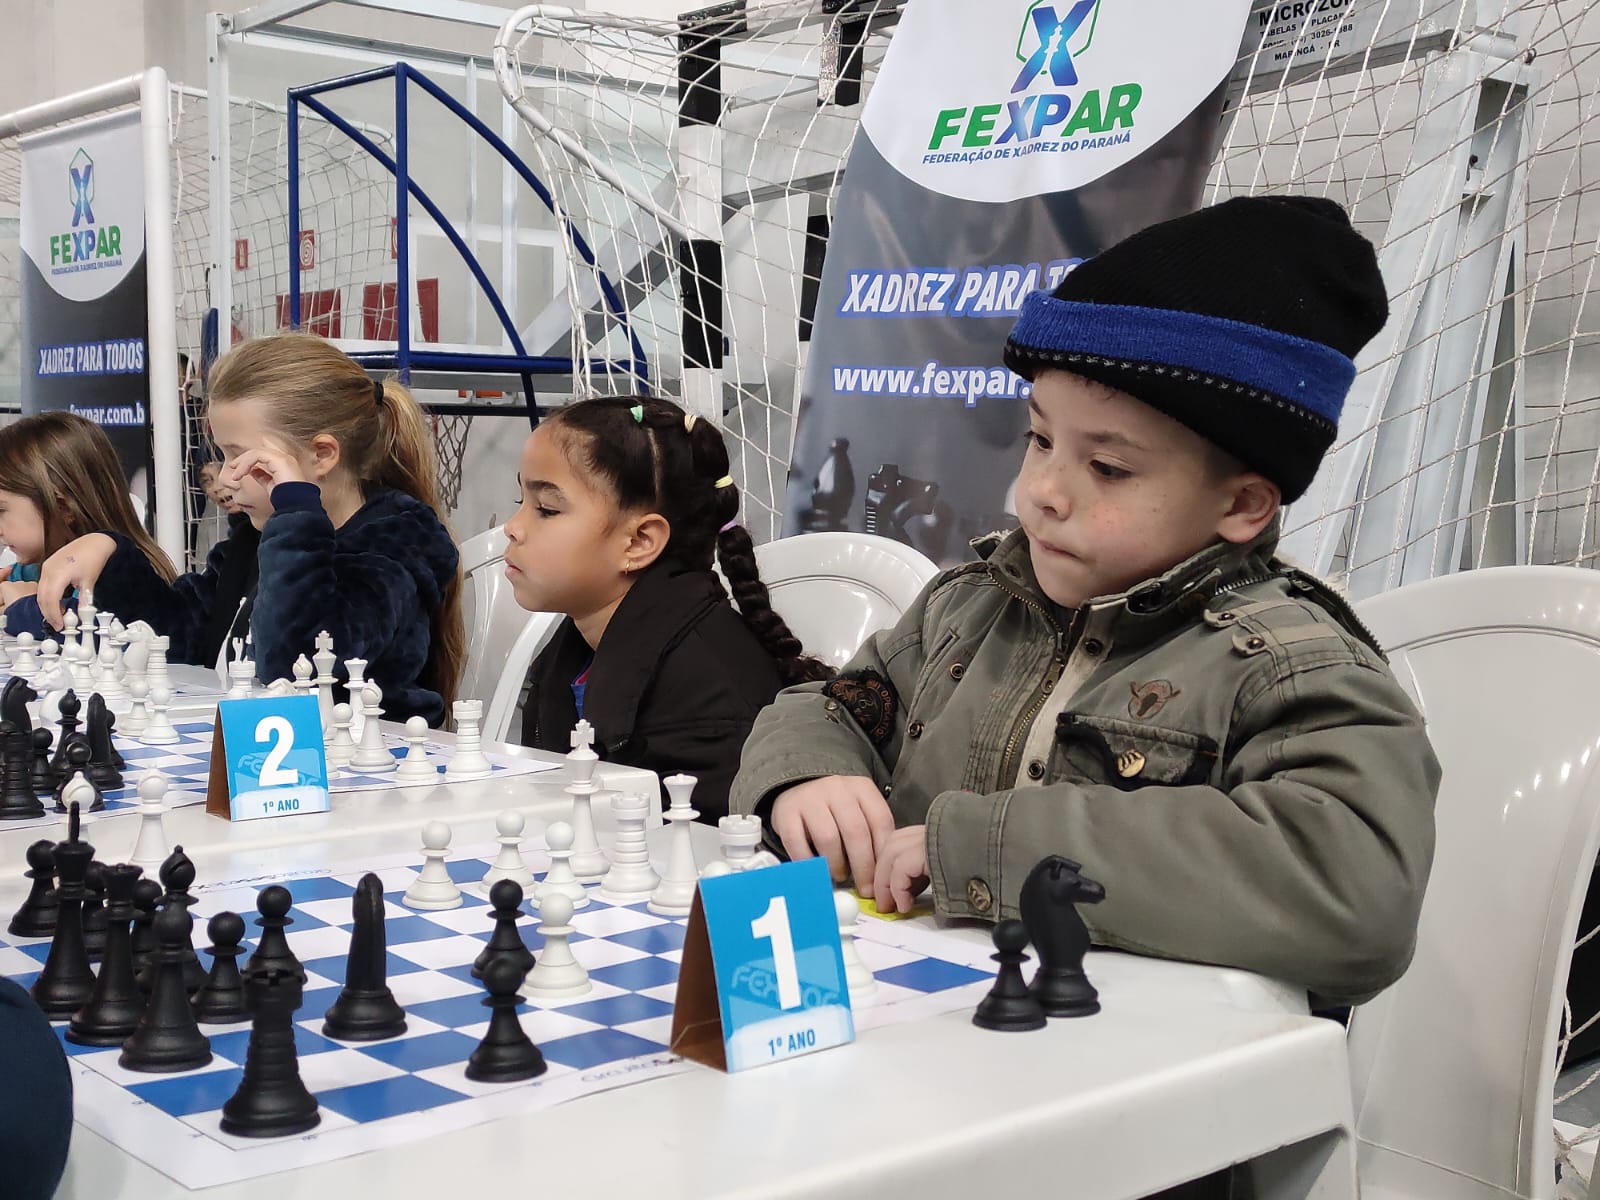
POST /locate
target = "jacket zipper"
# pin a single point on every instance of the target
(1057, 665)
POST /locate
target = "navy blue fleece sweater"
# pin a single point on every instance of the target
(373, 584)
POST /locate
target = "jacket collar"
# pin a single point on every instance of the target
(663, 605)
(1148, 609)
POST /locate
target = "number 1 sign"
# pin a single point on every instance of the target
(762, 977)
(267, 759)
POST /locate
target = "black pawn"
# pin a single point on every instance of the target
(177, 874)
(167, 1038)
(505, 897)
(271, 1100)
(115, 1006)
(94, 913)
(102, 771)
(64, 986)
(69, 708)
(78, 764)
(272, 947)
(1009, 1006)
(221, 1000)
(42, 778)
(1059, 936)
(37, 916)
(146, 899)
(506, 1053)
(17, 800)
(366, 1010)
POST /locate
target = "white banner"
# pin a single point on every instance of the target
(998, 100)
(83, 204)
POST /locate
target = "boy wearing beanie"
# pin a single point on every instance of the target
(1132, 679)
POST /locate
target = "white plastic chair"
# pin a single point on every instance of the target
(833, 589)
(502, 637)
(1454, 1067)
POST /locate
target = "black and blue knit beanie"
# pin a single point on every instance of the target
(1240, 320)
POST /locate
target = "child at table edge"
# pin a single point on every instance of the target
(1133, 679)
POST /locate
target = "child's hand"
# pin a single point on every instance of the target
(270, 464)
(843, 818)
(902, 869)
(76, 565)
(10, 592)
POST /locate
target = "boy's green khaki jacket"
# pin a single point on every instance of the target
(1222, 747)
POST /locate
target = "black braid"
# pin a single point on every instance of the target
(658, 464)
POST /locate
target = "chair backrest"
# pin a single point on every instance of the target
(1454, 1067)
(503, 696)
(833, 589)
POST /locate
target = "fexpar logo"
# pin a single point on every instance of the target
(85, 241)
(1048, 47)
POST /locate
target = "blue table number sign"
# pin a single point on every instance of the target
(762, 977)
(267, 759)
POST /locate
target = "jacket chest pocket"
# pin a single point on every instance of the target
(1129, 755)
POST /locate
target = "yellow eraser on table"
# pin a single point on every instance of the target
(921, 908)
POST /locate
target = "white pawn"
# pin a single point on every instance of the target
(631, 878)
(674, 895)
(69, 634)
(343, 746)
(433, 889)
(469, 760)
(559, 879)
(556, 972)
(79, 666)
(371, 753)
(49, 663)
(108, 679)
(857, 975)
(138, 718)
(25, 666)
(6, 643)
(150, 848)
(135, 664)
(588, 860)
(356, 672)
(160, 731)
(508, 863)
(416, 766)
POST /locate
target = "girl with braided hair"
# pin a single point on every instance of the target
(624, 504)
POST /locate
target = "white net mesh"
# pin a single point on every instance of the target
(347, 202)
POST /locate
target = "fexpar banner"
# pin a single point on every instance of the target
(1002, 143)
(84, 308)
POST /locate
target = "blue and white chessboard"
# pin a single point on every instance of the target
(187, 764)
(379, 1094)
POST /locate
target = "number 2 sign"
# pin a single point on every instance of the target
(762, 977)
(267, 759)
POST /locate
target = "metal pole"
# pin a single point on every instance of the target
(166, 408)
(294, 210)
(402, 172)
(219, 120)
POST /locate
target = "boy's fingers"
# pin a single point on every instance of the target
(824, 835)
(791, 831)
(879, 819)
(857, 838)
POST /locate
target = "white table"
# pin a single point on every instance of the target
(1185, 1070)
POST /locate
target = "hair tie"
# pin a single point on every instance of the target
(725, 481)
(377, 391)
(688, 422)
(638, 413)
(730, 525)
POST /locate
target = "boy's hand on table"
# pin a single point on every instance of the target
(902, 869)
(842, 818)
